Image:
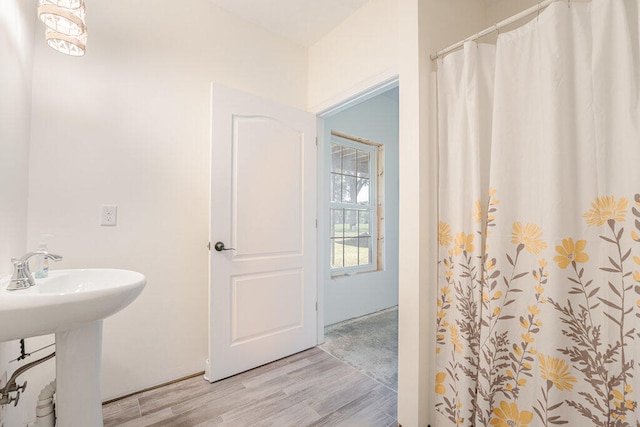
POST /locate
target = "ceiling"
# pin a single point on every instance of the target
(303, 22)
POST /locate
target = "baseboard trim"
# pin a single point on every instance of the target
(197, 374)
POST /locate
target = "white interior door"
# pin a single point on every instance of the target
(263, 209)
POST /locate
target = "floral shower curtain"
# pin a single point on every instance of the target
(538, 320)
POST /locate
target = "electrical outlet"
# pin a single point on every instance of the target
(109, 215)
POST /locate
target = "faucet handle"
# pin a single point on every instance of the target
(18, 389)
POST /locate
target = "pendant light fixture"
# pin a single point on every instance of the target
(69, 45)
(66, 29)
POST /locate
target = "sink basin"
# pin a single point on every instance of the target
(66, 300)
(71, 304)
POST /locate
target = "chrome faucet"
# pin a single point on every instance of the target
(22, 278)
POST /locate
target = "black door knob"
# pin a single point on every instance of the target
(219, 246)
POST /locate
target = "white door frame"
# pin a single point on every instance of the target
(348, 99)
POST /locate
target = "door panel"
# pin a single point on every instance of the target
(280, 290)
(268, 167)
(263, 205)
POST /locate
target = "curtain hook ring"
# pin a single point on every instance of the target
(497, 29)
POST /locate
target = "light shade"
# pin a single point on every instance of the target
(69, 45)
(63, 16)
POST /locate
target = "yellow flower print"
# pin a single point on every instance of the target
(527, 338)
(556, 371)
(464, 243)
(533, 309)
(528, 235)
(542, 262)
(444, 234)
(618, 415)
(570, 252)
(440, 388)
(635, 236)
(493, 201)
(455, 339)
(508, 415)
(605, 208)
(620, 402)
(617, 394)
(477, 211)
(636, 276)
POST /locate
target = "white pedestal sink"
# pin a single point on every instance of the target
(71, 304)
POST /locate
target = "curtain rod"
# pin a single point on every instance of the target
(495, 28)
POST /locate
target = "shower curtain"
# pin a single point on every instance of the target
(538, 319)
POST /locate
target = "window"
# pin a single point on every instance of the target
(353, 210)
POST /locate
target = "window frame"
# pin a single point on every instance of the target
(371, 207)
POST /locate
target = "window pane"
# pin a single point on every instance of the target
(364, 250)
(363, 191)
(336, 253)
(350, 222)
(336, 187)
(351, 252)
(363, 164)
(349, 190)
(337, 225)
(336, 158)
(364, 221)
(349, 161)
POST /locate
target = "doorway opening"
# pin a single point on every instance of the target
(358, 233)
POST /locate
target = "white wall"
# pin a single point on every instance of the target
(497, 10)
(17, 23)
(351, 296)
(358, 53)
(128, 124)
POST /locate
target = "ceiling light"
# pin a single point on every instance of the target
(63, 16)
(69, 45)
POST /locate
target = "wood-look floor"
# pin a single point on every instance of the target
(311, 388)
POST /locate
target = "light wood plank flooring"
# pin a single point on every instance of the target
(311, 388)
